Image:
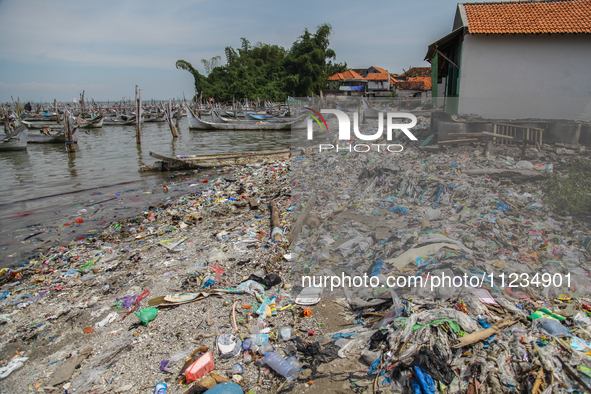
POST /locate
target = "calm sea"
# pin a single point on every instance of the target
(45, 188)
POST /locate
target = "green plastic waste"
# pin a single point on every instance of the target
(545, 313)
(147, 315)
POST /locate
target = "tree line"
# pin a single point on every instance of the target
(269, 71)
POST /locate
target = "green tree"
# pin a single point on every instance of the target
(200, 80)
(269, 71)
(211, 63)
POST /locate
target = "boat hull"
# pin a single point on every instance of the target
(216, 160)
(51, 139)
(279, 125)
(17, 142)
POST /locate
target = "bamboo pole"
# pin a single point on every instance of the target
(138, 115)
(170, 123)
(68, 131)
(178, 116)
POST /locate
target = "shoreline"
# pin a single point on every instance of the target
(226, 237)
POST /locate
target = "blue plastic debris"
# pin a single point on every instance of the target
(503, 207)
(425, 381)
(401, 210)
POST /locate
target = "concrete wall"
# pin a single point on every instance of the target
(378, 85)
(407, 93)
(526, 76)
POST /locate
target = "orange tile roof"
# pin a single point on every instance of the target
(552, 17)
(415, 83)
(336, 77)
(383, 71)
(377, 77)
(349, 74)
(417, 72)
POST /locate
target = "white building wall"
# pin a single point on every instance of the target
(526, 76)
(378, 85)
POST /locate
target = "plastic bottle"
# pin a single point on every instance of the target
(293, 361)
(237, 369)
(247, 358)
(265, 347)
(285, 333)
(281, 366)
(160, 388)
(246, 344)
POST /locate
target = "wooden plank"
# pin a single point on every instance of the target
(451, 142)
(466, 134)
(512, 125)
(222, 155)
(496, 135)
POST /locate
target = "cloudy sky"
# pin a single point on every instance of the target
(56, 49)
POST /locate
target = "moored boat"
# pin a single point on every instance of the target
(198, 124)
(59, 138)
(94, 123)
(16, 140)
(215, 160)
(39, 126)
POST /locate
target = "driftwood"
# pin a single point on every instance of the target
(478, 336)
(297, 228)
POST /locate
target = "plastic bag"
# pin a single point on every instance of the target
(553, 327)
(425, 381)
(147, 315)
(467, 324)
(268, 281)
(14, 364)
(250, 286)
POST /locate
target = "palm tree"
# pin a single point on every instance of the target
(200, 81)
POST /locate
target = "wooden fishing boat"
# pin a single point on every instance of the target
(216, 160)
(231, 114)
(16, 140)
(197, 124)
(260, 117)
(52, 139)
(41, 118)
(155, 118)
(115, 122)
(39, 126)
(94, 123)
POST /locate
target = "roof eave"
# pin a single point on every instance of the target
(450, 36)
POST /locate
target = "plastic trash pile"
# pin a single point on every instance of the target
(459, 281)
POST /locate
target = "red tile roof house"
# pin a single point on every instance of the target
(516, 60)
(415, 83)
(378, 83)
(349, 82)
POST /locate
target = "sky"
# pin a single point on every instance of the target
(56, 49)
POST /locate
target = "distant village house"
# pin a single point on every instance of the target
(378, 82)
